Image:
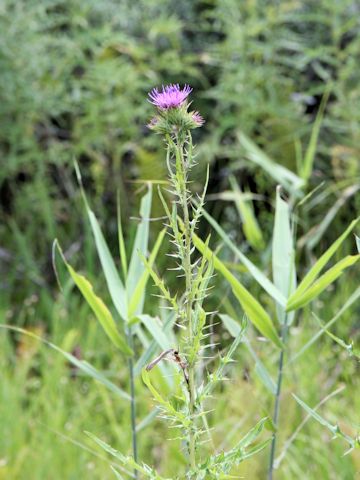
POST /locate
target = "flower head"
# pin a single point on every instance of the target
(171, 96)
(197, 119)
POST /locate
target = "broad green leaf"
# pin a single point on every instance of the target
(250, 225)
(280, 174)
(283, 263)
(136, 267)
(113, 281)
(231, 325)
(80, 364)
(115, 285)
(137, 299)
(323, 282)
(315, 270)
(312, 238)
(253, 309)
(257, 274)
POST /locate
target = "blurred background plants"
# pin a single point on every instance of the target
(73, 79)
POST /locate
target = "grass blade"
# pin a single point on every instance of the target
(250, 225)
(233, 327)
(137, 299)
(136, 267)
(323, 282)
(253, 309)
(257, 274)
(99, 308)
(352, 299)
(314, 272)
(283, 263)
(122, 248)
(307, 165)
(80, 364)
(280, 174)
(156, 329)
(334, 429)
(113, 281)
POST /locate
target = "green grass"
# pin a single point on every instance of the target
(42, 401)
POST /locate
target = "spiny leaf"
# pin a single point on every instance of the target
(160, 284)
(126, 460)
(177, 415)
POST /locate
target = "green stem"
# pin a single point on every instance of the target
(277, 400)
(132, 402)
(188, 300)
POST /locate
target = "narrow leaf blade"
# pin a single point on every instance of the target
(253, 309)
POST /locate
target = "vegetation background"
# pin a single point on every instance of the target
(74, 76)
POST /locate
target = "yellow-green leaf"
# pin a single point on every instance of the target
(314, 272)
(100, 310)
(324, 281)
(253, 309)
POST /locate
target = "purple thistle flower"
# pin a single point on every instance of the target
(171, 96)
(197, 119)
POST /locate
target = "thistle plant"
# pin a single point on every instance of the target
(187, 406)
(175, 121)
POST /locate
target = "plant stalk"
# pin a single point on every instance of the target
(189, 301)
(277, 400)
(132, 402)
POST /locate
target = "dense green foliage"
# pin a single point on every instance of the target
(281, 76)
